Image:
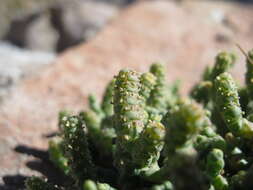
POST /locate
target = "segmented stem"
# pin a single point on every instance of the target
(77, 149)
(129, 116)
(227, 101)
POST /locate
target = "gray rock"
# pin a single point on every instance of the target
(16, 63)
(80, 20)
(15, 9)
(75, 21)
(40, 35)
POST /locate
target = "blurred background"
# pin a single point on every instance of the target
(33, 32)
(54, 25)
(53, 53)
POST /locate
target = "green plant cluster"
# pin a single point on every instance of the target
(145, 136)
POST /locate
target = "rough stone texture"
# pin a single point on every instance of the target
(77, 21)
(59, 23)
(149, 31)
(40, 35)
(15, 63)
(14, 9)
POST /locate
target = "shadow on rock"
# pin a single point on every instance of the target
(13, 182)
(43, 155)
(41, 164)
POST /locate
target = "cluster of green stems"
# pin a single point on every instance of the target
(144, 136)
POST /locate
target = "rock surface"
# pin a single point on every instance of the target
(40, 35)
(15, 63)
(77, 21)
(14, 9)
(185, 39)
(58, 23)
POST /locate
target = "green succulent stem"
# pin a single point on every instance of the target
(39, 184)
(129, 118)
(92, 185)
(77, 150)
(228, 104)
(107, 101)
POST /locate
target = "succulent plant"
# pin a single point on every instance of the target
(145, 136)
